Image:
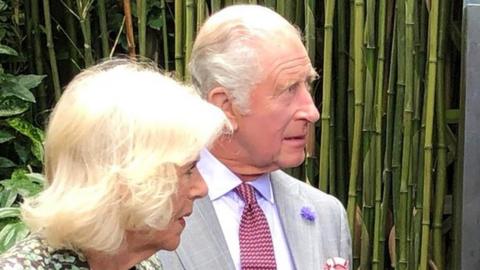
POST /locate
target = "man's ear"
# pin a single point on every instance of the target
(219, 97)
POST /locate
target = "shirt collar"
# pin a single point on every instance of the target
(220, 180)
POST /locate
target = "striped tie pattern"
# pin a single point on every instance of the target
(256, 247)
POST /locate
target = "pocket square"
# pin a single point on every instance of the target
(336, 263)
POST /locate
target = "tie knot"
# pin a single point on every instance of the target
(247, 193)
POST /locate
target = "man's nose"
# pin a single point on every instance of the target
(309, 111)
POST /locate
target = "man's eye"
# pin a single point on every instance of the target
(293, 87)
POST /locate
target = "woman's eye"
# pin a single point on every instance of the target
(191, 170)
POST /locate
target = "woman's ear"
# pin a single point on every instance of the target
(219, 97)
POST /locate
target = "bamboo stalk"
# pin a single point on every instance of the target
(358, 115)
(51, 50)
(441, 177)
(389, 141)
(327, 95)
(271, 3)
(290, 10)
(179, 60)
(189, 33)
(299, 11)
(83, 11)
(310, 36)
(419, 73)
(350, 90)
(310, 41)
(430, 100)
(368, 147)
(396, 154)
(102, 20)
(202, 13)
(71, 32)
(409, 115)
(419, 126)
(216, 5)
(29, 37)
(37, 48)
(341, 104)
(355, 117)
(28, 51)
(332, 187)
(404, 207)
(117, 38)
(398, 132)
(379, 78)
(281, 8)
(142, 27)
(129, 28)
(165, 35)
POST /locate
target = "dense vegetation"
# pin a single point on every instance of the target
(388, 94)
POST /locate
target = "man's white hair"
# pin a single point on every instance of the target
(226, 51)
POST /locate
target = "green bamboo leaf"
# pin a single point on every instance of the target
(12, 233)
(9, 212)
(6, 136)
(11, 106)
(30, 81)
(6, 163)
(22, 184)
(7, 50)
(35, 134)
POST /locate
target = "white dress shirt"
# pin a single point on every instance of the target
(229, 208)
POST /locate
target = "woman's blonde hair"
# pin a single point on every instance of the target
(112, 146)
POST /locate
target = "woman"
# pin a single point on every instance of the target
(120, 155)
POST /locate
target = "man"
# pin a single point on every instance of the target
(251, 63)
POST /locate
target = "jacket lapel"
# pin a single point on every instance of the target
(300, 233)
(203, 245)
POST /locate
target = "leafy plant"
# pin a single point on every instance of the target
(20, 185)
(21, 150)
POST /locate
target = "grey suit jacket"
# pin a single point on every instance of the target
(311, 243)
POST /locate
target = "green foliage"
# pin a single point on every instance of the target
(17, 134)
(7, 50)
(21, 149)
(20, 185)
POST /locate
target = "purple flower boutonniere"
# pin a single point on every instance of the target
(307, 213)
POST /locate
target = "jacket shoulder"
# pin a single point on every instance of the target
(295, 188)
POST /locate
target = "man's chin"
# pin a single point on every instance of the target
(291, 161)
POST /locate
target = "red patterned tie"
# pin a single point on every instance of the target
(256, 247)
